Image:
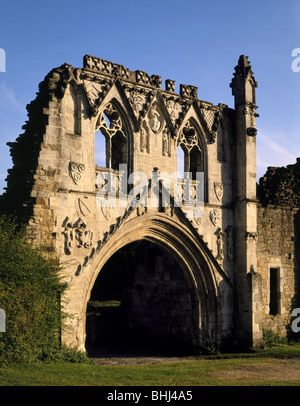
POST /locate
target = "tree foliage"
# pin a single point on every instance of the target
(30, 290)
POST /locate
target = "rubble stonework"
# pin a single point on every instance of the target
(55, 186)
(278, 244)
(281, 186)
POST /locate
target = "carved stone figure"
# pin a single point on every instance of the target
(77, 232)
(155, 121)
(166, 143)
(144, 141)
(220, 253)
(83, 236)
(68, 233)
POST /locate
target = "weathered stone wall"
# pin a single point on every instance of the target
(281, 186)
(276, 249)
(278, 244)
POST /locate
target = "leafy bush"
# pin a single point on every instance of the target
(272, 338)
(30, 290)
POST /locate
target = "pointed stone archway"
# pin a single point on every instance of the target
(140, 303)
(204, 280)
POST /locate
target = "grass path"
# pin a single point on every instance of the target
(279, 366)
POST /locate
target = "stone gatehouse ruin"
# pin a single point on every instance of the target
(181, 274)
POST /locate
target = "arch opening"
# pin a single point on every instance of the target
(140, 301)
(180, 162)
(196, 164)
(100, 150)
(113, 150)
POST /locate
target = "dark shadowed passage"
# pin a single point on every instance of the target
(140, 301)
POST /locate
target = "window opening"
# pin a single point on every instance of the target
(274, 291)
(100, 149)
(180, 162)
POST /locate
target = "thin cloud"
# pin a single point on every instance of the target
(9, 95)
(274, 154)
(270, 153)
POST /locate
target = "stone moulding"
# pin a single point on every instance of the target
(134, 211)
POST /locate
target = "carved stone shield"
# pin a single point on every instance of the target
(218, 190)
(214, 216)
(107, 210)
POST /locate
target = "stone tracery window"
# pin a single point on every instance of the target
(111, 125)
(189, 142)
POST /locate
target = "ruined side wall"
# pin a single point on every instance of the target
(276, 245)
(31, 182)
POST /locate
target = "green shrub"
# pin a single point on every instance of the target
(30, 290)
(271, 338)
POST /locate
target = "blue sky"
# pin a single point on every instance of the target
(194, 42)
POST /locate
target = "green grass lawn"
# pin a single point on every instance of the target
(204, 371)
